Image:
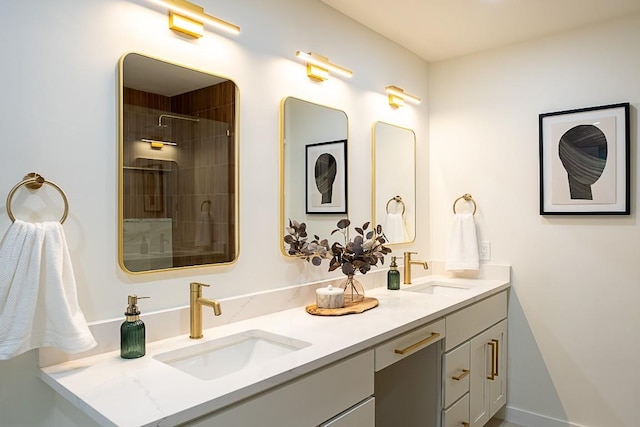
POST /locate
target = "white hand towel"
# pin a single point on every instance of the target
(463, 244)
(38, 300)
(395, 229)
(203, 230)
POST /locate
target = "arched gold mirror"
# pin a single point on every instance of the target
(313, 174)
(178, 172)
(394, 181)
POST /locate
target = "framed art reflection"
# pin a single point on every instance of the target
(326, 177)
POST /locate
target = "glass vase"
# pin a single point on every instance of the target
(353, 290)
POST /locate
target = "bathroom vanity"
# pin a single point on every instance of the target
(333, 371)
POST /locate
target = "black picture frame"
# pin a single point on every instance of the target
(585, 161)
(326, 177)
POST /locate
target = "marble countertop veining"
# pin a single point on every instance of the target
(160, 395)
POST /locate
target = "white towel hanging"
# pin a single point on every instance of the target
(38, 300)
(462, 252)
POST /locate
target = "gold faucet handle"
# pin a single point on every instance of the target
(407, 256)
(196, 286)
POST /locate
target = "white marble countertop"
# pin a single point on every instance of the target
(145, 391)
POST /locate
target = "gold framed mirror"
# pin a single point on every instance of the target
(178, 166)
(394, 181)
(312, 190)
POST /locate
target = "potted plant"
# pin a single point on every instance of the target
(351, 256)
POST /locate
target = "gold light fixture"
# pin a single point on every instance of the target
(189, 18)
(157, 144)
(318, 66)
(397, 96)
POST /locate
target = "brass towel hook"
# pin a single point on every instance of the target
(467, 198)
(396, 199)
(34, 181)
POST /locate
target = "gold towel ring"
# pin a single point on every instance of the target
(397, 199)
(208, 202)
(467, 198)
(34, 181)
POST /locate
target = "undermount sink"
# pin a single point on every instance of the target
(439, 288)
(224, 356)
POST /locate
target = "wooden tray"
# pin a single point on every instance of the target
(352, 308)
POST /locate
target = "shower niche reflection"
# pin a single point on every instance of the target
(178, 166)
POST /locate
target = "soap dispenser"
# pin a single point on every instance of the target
(132, 334)
(393, 276)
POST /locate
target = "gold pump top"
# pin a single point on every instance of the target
(132, 308)
(393, 265)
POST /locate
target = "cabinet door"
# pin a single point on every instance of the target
(487, 382)
(498, 387)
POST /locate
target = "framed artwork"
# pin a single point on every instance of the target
(584, 161)
(326, 177)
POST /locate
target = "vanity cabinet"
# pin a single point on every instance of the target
(474, 363)
(337, 395)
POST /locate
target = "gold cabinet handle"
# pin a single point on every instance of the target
(492, 375)
(464, 373)
(433, 337)
(465, 424)
(495, 372)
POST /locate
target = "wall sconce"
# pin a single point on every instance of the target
(157, 144)
(189, 18)
(318, 66)
(397, 96)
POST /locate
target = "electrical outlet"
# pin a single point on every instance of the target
(485, 251)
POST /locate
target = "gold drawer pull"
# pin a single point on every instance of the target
(433, 337)
(464, 373)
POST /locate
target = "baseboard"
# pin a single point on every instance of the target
(530, 419)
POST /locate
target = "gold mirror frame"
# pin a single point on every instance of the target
(178, 166)
(394, 181)
(304, 124)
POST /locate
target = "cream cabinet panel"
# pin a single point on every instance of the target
(487, 387)
(456, 374)
(307, 401)
(474, 319)
(361, 415)
(398, 348)
(458, 414)
(498, 386)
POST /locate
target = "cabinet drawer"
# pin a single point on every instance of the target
(474, 319)
(361, 415)
(458, 414)
(456, 374)
(309, 400)
(407, 344)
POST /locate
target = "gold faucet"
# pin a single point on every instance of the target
(195, 309)
(407, 266)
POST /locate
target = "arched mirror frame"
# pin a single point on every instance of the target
(393, 171)
(231, 172)
(320, 224)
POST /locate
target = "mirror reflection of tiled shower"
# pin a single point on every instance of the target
(178, 178)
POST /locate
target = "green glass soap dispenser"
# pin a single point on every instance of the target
(393, 276)
(132, 335)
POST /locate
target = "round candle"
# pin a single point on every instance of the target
(330, 297)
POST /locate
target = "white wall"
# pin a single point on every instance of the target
(574, 334)
(58, 116)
